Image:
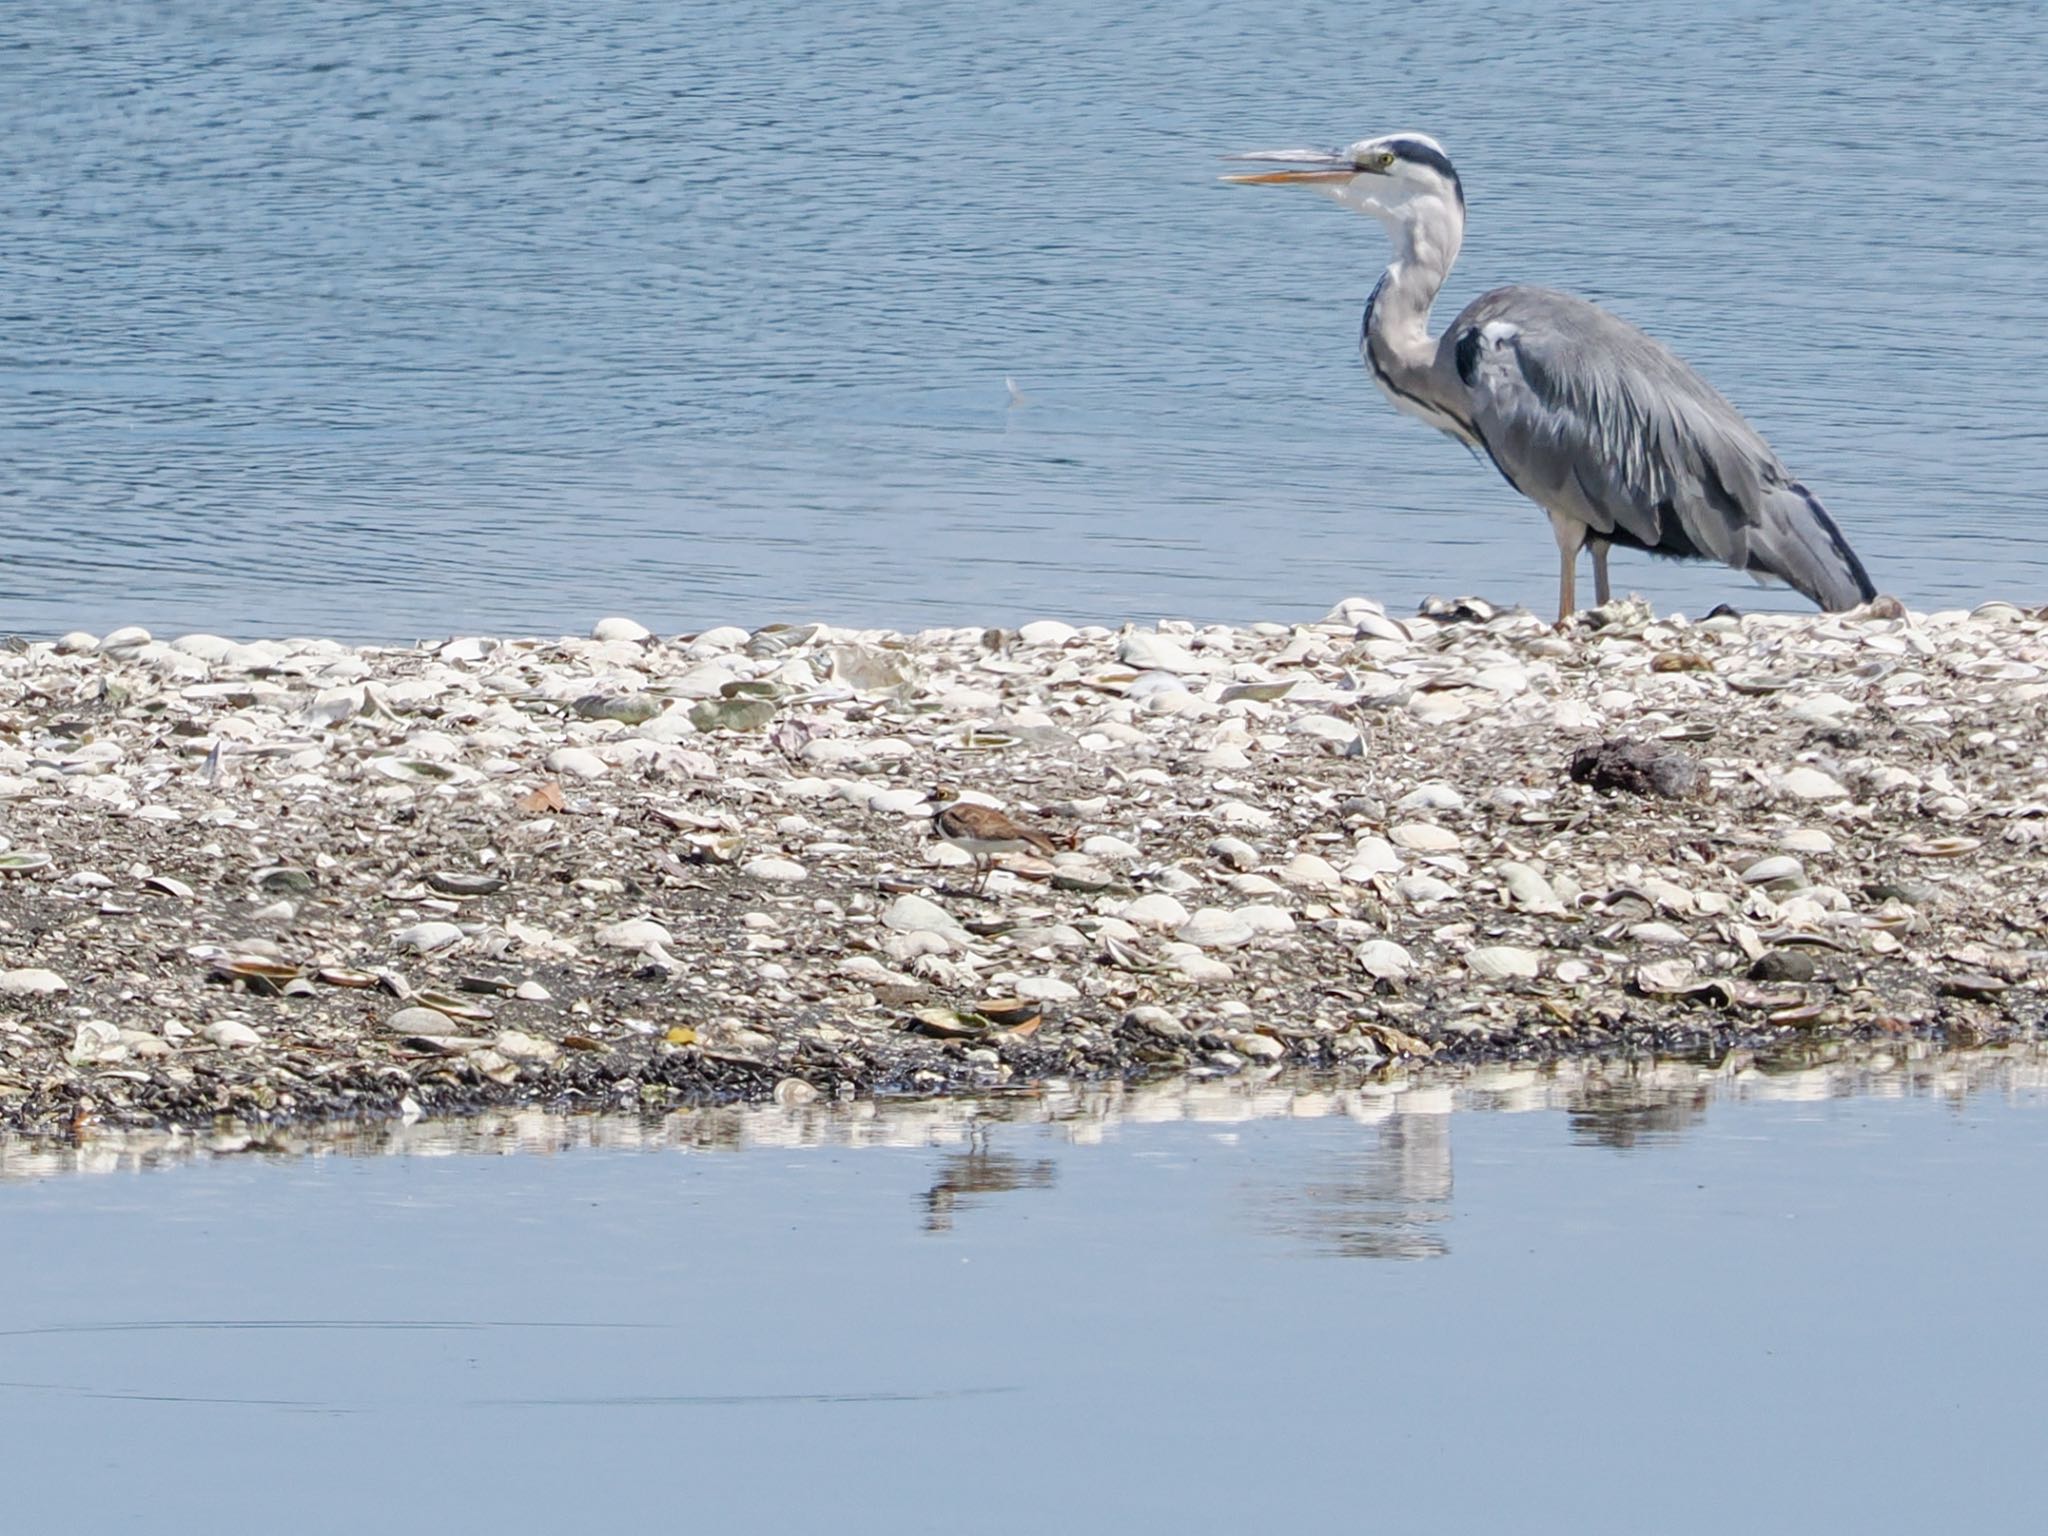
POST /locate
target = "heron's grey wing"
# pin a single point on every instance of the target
(1589, 417)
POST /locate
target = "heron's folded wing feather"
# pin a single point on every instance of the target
(1587, 416)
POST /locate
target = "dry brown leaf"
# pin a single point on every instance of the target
(544, 801)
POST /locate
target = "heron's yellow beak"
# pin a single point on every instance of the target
(1306, 168)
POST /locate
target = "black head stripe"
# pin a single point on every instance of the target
(1419, 153)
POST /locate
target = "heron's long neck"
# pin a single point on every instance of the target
(1396, 342)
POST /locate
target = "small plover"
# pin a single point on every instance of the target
(984, 832)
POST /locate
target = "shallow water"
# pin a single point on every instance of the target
(1591, 1300)
(395, 320)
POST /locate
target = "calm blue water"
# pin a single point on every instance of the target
(1688, 1306)
(395, 319)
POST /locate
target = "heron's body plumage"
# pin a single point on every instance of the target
(1605, 428)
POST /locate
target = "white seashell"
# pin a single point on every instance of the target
(231, 1033)
(1148, 651)
(1047, 632)
(1420, 890)
(1217, 928)
(1440, 708)
(1308, 869)
(1424, 837)
(1526, 888)
(427, 938)
(1433, 796)
(1104, 846)
(1502, 962)
(31, 981)
(1774, 869)
(1655, 933)
(1235, 813)
(1045, 989)
(1233, 851)
(577, 762)
(1810, 784)
(1385, 959)
(1194, 965)
(635, 933)
(1372, 856)
(1155, 910)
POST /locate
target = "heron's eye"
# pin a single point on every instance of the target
(1379, 160)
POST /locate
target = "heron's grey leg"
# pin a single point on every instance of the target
(1570, 535)
(1599, 547)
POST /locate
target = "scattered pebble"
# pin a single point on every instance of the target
(561, 871)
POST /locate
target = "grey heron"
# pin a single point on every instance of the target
(1608, 431)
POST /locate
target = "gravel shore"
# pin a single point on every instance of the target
(295, 881)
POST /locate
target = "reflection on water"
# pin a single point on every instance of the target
(1384, 1202)
(965, 1179)
(1612, 1103)
(1147, 1297)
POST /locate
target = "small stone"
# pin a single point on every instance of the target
(1807, 840)
(1794, 965)
(532, 992)
(619, 629)
(1235, 813)
(76, 643)
(794, 1093)
(129, 638)
(1116, 849)
(515, 1045)
(96, 1040)
(419, 1021)
(1255, 1046)
(627, 709)
(462, 883)
(787, 871)
(1636, 768)
(1149, 1016)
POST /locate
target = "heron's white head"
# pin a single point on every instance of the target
(1397, 177)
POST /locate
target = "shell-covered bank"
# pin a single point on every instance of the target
(299, 880)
